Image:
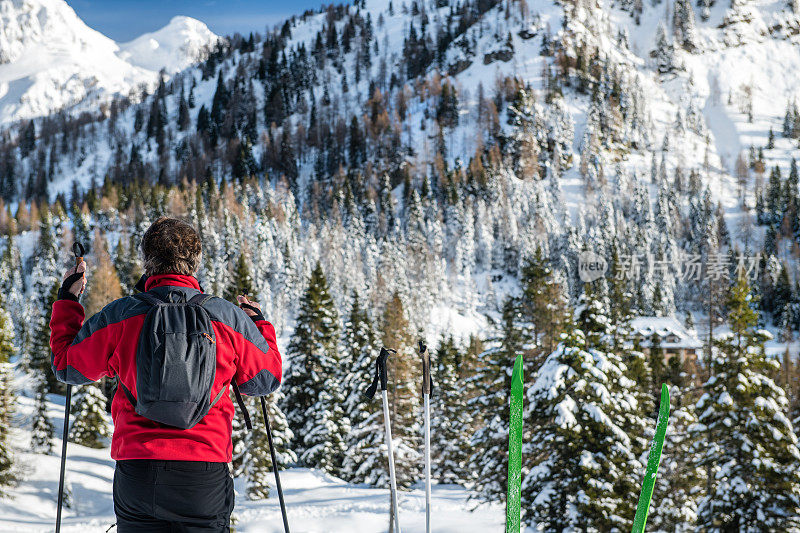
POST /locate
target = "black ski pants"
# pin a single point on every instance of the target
(172, 496)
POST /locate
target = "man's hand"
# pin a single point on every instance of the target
(252, 309)
(74, 282)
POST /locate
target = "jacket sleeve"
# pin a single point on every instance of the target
(258, 371)
(80, 351)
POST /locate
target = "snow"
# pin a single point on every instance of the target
(174, 47)
(664, 327)
(566, 413)
(316, 502)
(51, 60)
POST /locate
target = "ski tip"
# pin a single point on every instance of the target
(663, 409)
(516, 376)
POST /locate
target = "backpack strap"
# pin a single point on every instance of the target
(240, 401)
(127, 393)
(219, 395)
(148, 298)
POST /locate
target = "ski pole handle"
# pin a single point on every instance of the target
(427, 385)
(78, 250)
(381, 379)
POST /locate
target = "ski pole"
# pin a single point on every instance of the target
(275, 465)
(426, 398)
(78, 250)
(381, 380)
(64, 437)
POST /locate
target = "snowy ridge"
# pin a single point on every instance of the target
(174, 47)
(50, 60)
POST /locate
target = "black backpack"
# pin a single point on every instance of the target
(176, 360)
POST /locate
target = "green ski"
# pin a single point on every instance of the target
(513, 500)
(653, 460)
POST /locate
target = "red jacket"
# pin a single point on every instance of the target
(105, 345)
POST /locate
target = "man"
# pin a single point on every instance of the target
(166, 478)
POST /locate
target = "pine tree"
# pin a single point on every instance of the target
(39, 357)
(683, 25)
(450, 421)
(584, 462)
(127, 264)
(184, 119)
(220, 101)
(42, 428)
(447, 110)
(364, 461)
(679, 481)
(28, 139)
(327, 428)
(7, 400)
(241, 281)
(91, 424)
(541, 303)
(744, 441)
(489, 460)
(257, 461)
(664, 52)
(314, 412)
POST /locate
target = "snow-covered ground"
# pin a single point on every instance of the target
(317, 503)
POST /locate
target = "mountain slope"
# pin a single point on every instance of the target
(50, 59)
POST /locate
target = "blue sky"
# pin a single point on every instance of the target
(123, 20)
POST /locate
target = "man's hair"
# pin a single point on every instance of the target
(171, 246)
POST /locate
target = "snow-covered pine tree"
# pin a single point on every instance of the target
(315, 411)
(239, 435)
(7, 400)
(91, 425)
(679, 482)
(365, 460)
(450, 421)
(12, 287)
(489, 409)
(327, 428)
(241, 281)
(743, 440)
(683, 25)
(44, 271)
(257, 462)
(45, 282)
(664, 53)
(584, 463)
(38, 360)
(42, 428)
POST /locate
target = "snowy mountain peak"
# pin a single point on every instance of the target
(51, 60)
(174, 47)
(27, 23)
